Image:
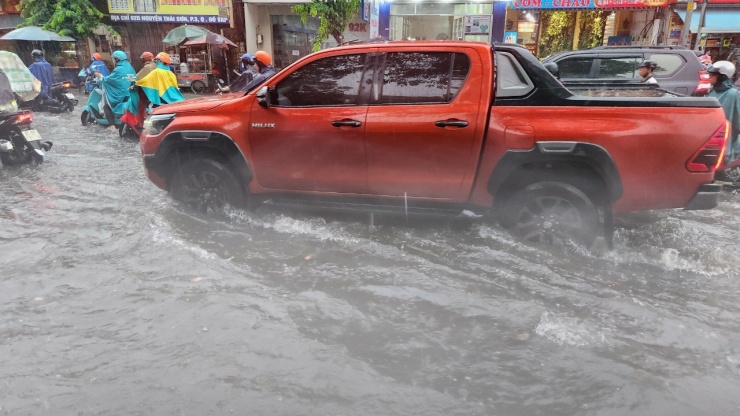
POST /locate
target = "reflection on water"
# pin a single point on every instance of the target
(115, 300)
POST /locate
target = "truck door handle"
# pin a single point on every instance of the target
(346, 122)
(451, 123)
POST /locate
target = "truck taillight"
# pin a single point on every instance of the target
(709, 157)
(704, 85)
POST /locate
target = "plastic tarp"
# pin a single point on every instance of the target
(21, 80)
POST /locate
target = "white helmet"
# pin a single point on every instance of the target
(722, 67)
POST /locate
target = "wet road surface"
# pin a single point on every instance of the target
(115, 300)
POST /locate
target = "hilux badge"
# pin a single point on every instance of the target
(263, 125)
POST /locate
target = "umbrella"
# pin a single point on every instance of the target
(35, 33)
(182, 33)
(212, 39)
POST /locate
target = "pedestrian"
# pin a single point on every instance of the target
(43, 72)
(646, 71)
(720, 77)
(149, 65)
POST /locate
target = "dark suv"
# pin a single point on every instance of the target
(679, 69)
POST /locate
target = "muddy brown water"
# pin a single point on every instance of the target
(115, 300)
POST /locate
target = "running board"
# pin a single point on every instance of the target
(369, 208)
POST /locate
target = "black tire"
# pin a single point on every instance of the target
(551, 212)
(126, 132)
(86, 118)
(208, 186)
(20, 153)
(198, 87)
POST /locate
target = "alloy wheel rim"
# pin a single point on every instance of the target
(549, 219)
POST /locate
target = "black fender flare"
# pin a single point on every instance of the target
(199, 141)
(556, 155)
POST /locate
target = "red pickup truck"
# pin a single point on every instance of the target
(438, 127)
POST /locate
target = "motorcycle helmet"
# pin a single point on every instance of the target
(248, 58)
(263, 57)
(725, 68)
(146, 56)
(648, 63)
(37, 53)
(97, 56)
(163, 58)
(120, 56)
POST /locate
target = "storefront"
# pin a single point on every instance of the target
(719, 35)
(624, 22)
(412, 20)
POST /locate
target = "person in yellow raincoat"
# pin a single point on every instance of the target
(157, 88)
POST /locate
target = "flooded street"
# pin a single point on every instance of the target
(115, 300)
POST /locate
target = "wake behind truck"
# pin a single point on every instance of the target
(437, 128)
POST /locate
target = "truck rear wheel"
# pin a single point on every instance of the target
(553, 213)
(207, 186)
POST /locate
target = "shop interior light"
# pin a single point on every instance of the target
(529, 17)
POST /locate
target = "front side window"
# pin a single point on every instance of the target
(575, 67)
(625, 67)
(332, 81)
(422, 77)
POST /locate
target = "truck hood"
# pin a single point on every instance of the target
(198, 104)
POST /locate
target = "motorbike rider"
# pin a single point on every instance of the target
(646, 71)
(43, 71)
(263, 60)
(247, 72)
(720, 77)
(149, 65)
(117, 84)
(157, 88)
(98, 65)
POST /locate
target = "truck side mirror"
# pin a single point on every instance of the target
(263, 97)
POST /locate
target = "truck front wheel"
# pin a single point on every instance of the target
(553, 213)
(207, 186)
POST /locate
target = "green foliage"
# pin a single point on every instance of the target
(592, 25)
(76, 18)
(557, 32)
(558, 28)
(334, 16)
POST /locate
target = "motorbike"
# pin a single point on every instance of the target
(59, 101)
(19, 143)
(86, 81)
(97, 110)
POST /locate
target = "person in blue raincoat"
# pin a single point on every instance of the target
(117, 84)
(720, 77)
(43, 72)
(98, 64)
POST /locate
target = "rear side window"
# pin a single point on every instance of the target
(625, 67)
(332, 81)
(422, 77)
(511, 80)
(575, 67)
(667, 63)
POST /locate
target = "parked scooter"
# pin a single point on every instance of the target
(19, 143)
(60, 100)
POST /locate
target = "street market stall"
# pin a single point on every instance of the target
(194, 60)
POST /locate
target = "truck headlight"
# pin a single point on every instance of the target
(154, 124)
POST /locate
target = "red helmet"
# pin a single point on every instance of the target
(147, 56)
(263, 57)
(97, 56)
(163, 57)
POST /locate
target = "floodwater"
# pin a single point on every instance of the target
(115, 300)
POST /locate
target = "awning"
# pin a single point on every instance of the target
(715, 21)
(10, 21)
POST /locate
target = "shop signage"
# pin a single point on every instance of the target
(169, 11)
(589, 4)
(478, 25)
(374, 19)
(510, 37)
(526, 27)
